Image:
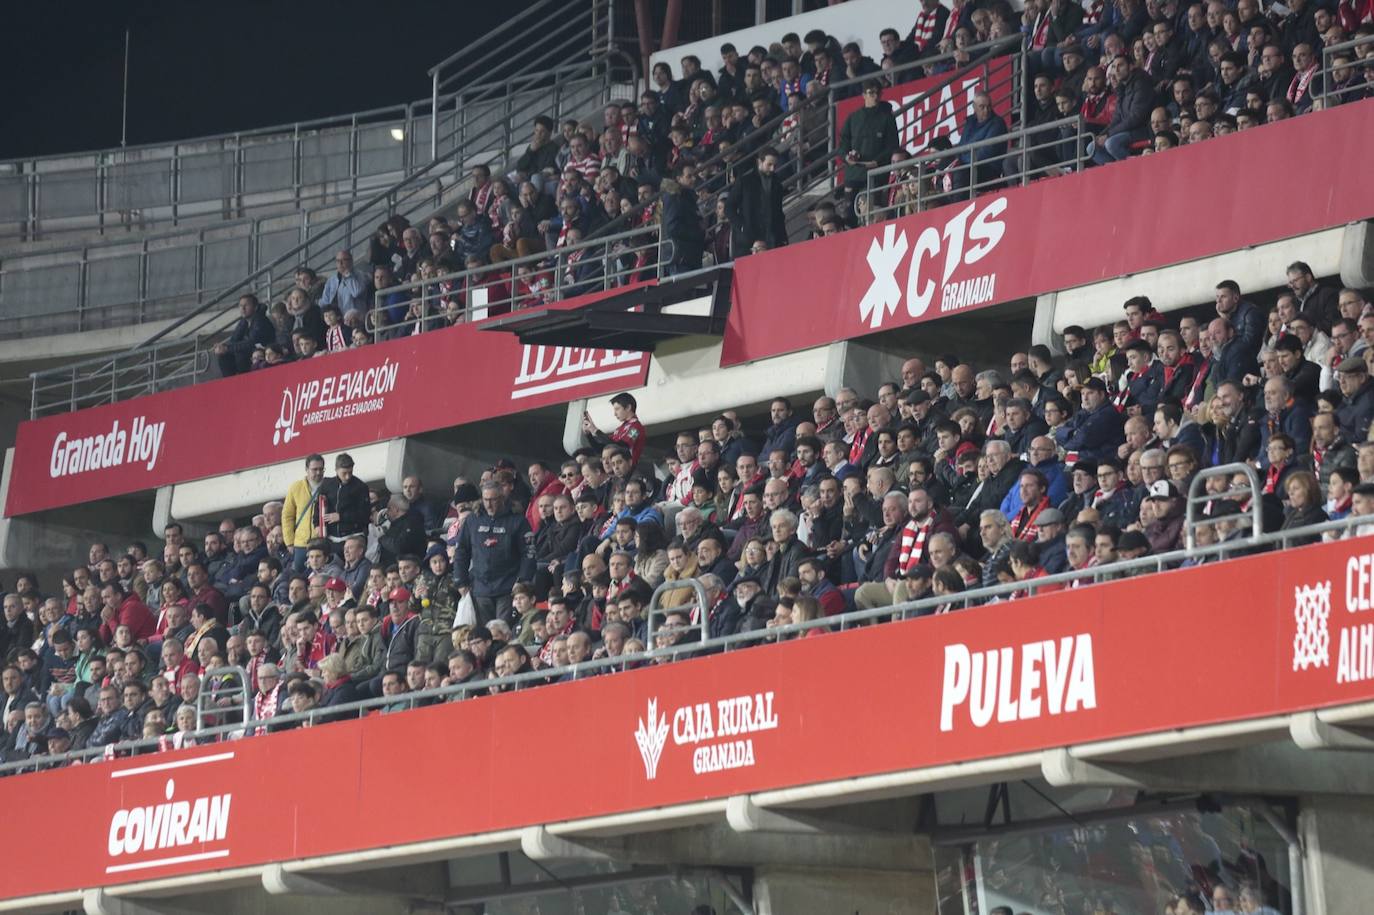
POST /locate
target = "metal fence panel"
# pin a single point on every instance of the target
(268, 166)
(324, 157)
(226, 262)
(14, 199)
(171, 272)
(138, 185)
(379, 152)
(207, 176)
(39, 290)
(112, 281)
(63, 194)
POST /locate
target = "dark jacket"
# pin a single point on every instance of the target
(404, 535)
(249, 333)
(1135, 99)
(493, 552)
(1094, 434)
(237, 576)
(1356, 413)
(871, 133)
(784, 564)
(755, 210)
(682, 224)
(350, 501)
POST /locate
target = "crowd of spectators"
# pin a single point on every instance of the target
(954, 476)
(1144, 76)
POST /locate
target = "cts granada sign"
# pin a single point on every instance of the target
(1076, 666)
(1051, 235)
(402, 387)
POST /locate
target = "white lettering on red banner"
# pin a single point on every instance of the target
(967, 238)
(719, 732)
(556, 368)
(140, 444)
(1018, 683)
(333, 397)
(936, 116)
(191, 828)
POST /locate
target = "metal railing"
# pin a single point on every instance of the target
(969, 169)
(144, 369)
(521, 282)
(672, 643)
(224, 176)
(1198, 498)
(1337, 84)
(807, 137)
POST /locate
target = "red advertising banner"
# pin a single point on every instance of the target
(400, 387)
(1062, 669)
(1056, 234)
(943, 112)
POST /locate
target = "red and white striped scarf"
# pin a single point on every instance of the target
(924, 30)
(1023, 526)
(913, 549)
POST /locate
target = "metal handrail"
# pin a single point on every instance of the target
(210, 698)
(1019, 147)
(1326, 70)
(405, 116)
(823, 166)
(556, 263)
(684, 650)
(653, 611)
(1191, 520)
(210, 319)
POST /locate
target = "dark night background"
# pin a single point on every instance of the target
(199, 68)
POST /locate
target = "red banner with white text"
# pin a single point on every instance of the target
(942, 105)
(1261, 636)
(401, 387)
(1058, 233)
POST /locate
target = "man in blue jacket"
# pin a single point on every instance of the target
(1096, 430)
(985, 124)
(495, 549)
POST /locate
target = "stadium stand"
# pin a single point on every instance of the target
(1213, 438)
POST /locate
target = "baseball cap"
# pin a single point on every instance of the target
(466, 492)
(916, 396)
(1096, 384)
(1162, 489)
(337, 584)
(402, 594)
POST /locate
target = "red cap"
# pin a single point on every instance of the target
(336, 584)
(401, 594)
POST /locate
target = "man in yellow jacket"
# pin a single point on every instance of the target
(301, 512)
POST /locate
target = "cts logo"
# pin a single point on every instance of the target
(967, 238)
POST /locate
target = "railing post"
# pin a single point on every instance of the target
(175, 182)
(434, 117)
(82, 284)
(143, 282)
(353, 157)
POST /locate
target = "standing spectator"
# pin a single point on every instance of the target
(629, 434)
(868, 139)
(253, 330)
(495, 549)
(302, 512)
(344, 503)
(347, 289)
(754, 206)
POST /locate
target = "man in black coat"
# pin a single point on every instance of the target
(755, 206)
(345, 501)
(253, 329)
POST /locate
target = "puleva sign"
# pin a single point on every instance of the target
(1003, 679)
